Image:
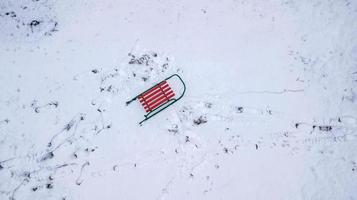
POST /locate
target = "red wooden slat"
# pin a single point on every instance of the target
(161, 93)
(156, 96)
(147, 109)
(148, 95)
(159, 99)
(154, 88)
(157, 102)
(145, 104)
(154, 93)
(162, 101)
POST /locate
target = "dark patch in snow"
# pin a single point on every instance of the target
(174, 129)
(37, 109)
(325, 128)
(144, 59)
(6, 121)
(49, 186)
(225, 150)
(90, 149)
(187, 139)
(24, 25)
(47, 156)
(208, 105)
(269, 111)
(200, 120)
(239, 109)
(164, 67)
(33, 24)
(11, 14)
(69, 126)
(53, 103)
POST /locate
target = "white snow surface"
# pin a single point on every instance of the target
(270, 110)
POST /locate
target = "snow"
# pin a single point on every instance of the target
(270, 110)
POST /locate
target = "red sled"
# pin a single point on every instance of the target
(159, 97)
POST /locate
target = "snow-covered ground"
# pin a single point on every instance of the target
(270, 110)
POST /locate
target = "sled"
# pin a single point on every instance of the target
(159, 97)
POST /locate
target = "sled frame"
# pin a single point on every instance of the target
(165, 105)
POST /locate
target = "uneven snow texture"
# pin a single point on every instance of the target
(270, 110)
